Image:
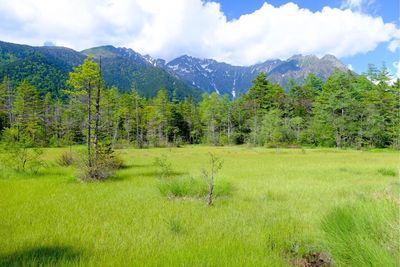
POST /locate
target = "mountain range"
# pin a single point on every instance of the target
(47, 68)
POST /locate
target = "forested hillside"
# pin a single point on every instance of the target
(123, 68)
(47, 69)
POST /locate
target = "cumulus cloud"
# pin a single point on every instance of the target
(171, 28)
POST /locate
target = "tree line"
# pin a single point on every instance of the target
(347, 110)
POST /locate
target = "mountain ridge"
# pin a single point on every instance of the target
(187, 75)
(211, 75)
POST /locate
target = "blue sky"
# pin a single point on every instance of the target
(387, 9)
(239, 32)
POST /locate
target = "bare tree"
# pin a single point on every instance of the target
(97, 119)
(215, 164)
(89, 123)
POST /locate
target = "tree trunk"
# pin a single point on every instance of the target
(138, 141)
(96, 124)
(97, 118)
(128, 128)
(229, 127)
(255, 126)
(89, 128)
(210, 192)
(213, 129)
(9, 105)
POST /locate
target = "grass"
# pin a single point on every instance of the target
(387, 171)
(188, 186)
(364, 233)
(285, 204)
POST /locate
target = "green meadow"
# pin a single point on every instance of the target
(273, 207)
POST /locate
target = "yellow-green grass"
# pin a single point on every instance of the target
(276, 211)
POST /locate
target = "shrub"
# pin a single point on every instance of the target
(66, 159)
(163, 166)
(23, 159)
(103, 167)
(18, 152)
(365, 233)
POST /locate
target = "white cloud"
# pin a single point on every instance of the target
(171, 28)
(396, 64)
(350, 67)
(352, 4)
(395, 43)
(357, 5)
(396, 75)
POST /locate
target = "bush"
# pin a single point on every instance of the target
(104, 167)
(18, 152)
(163, 166)
(187, 186)
(365, 233)
(66, 159)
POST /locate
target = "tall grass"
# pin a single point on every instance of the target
(387, 171)
(188, 186)
(364, 233)
(273, 214)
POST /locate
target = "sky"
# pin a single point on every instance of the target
(239, 32)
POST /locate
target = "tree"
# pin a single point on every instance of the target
(162, 114)
(137, 102)
(191, 115)
(3, 110)
(381, 117)
(47, 116)
(84, 79)
(226, 118)
(262, 97)
(114, 106)
(215, 164)
(337, 111)
(26, 111)
(210, 108)
(302, 99)
(271, 130)
(99, 86)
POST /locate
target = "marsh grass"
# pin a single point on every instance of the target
(387, 171)
(272, 214)
(175, 226)
(42, 256)
(66, 159)
(189, 186)
(364, 233)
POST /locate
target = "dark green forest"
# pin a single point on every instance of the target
(348, 110)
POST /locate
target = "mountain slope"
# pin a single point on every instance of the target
(47, 68)
(124, 67)
(223, 78)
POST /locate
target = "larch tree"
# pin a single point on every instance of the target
(85, 79)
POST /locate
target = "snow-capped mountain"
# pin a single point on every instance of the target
(223, 78)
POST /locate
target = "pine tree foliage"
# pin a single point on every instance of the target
(347, 110)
